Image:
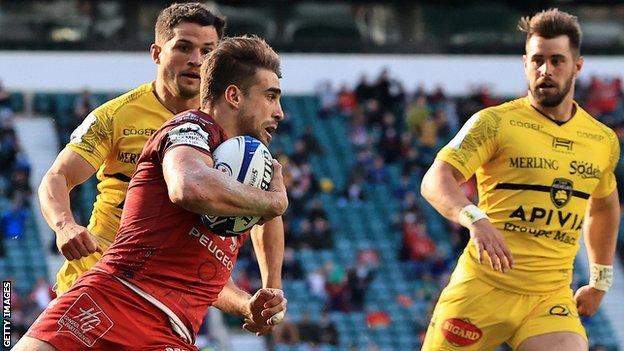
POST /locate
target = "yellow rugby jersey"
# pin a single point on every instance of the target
(534, 179)
(111, 139)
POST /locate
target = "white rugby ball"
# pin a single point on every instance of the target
(250, 162)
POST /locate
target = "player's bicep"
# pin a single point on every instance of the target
(72, 166)
(180, 161)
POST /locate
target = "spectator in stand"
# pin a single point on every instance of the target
(311, 143)
(20, 186)
(309, 332)
(358, 135)
(14, 219)
(417, 112)
(321, 237)
(364, 91)
(328, 99)
(382, 90)
(373, 113)
(8, 151)
(5, 98)
(291, 269)
(418, 248)
(354, 192)
(347, 100)
(317, 281)
(286, 333)
(428, 138)
(316, 210)
(300, 153)
(359, 278)
(390, 142)
(378, 172)
(328, 331)
(336, 287)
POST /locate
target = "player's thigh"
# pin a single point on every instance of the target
(553, 317)
(28, 343)
(72, 270)
(558, 341)
(469, 316)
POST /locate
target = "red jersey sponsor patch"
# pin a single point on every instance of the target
(85, 320)
(460, 332)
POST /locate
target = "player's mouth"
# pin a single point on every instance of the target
(546, 86)
(270, 130)
(191, 75)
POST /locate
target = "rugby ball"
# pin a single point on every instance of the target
(250, 162)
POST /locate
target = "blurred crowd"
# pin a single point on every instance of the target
(15, 189)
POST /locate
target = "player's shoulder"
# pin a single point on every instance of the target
(194, 117)
(504, 110)
(593, 128)
(115, 107)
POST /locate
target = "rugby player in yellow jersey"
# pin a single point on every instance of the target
(111, 138)
(544, 169)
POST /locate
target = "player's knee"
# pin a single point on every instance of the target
(560, 341)
(28, 343)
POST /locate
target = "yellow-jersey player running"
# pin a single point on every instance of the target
(112, 136)
(544, 169)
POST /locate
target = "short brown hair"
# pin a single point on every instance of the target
(194, 12)
(552, 23)
(235, 61)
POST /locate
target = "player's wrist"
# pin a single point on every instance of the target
(600, 276)
(470, 214)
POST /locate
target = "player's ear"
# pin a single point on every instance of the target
(155, 53)
(233, 96)
(578, 64)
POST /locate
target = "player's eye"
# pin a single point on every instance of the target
(205, 51)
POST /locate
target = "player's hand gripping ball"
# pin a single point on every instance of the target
(250, 162)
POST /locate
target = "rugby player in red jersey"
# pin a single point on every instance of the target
(153, 286)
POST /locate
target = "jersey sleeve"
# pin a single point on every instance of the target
(93, 138)
(608, 182)
(474, 144)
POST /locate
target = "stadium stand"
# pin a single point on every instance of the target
(366, 257)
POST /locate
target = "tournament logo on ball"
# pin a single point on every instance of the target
(85, 320)
(224, 167)
(561, 191)
(460, 332)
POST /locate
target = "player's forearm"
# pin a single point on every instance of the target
(233, 300)
(442, 190)
(54, 200)
(208, 191)
(601, 229)
(268, 241)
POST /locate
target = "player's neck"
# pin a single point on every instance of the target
(172, 102)
(560, 113)
(225, 120)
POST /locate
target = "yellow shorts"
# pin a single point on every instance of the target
(71, 270)
(472, 315)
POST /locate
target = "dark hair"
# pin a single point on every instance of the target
(552, 23)
(193, 12)
(235, 61)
